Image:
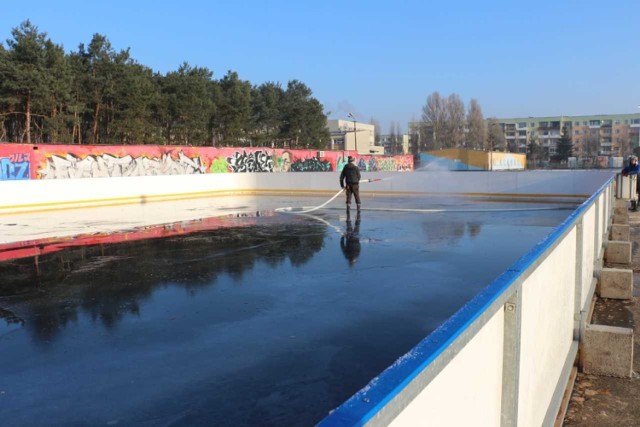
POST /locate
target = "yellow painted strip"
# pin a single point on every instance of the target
(197, 194)
(555, 202)
(122, 201)
(125, 198)
(101, 204)
(157, 198)
(532, 195)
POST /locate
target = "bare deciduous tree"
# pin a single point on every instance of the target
(591, 143)
(433, 120)
(394, 138)
(476, 134)
(496, 140)
(454, 121)
(534, 150)
(625, 147)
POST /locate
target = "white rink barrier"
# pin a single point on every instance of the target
(504, 359)
(42, 195)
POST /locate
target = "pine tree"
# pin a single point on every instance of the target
(564, 147)
(24, 76)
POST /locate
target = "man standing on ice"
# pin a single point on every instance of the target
(351, 175)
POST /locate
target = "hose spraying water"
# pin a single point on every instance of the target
(307, 209)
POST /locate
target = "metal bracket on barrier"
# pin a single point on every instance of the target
(511, 360)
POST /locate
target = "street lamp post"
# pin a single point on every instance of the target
(632, 151)
(355, 132)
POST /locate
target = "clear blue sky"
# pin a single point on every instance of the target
(380, 59)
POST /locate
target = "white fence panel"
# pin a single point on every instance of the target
(468, 391)
(547, 330)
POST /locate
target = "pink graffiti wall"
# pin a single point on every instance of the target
(21, 161)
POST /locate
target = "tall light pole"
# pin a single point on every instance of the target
(355, 132)
(632, 151)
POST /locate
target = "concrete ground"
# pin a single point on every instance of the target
(604, 401)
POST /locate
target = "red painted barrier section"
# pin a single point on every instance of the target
(45, 246)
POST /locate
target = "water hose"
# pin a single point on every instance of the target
(307, 209)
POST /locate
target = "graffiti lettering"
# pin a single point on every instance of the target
(106, 165)
(18, 157)
(53, 161)
(13, 170)
(508, 162)
(311, 165)
(258, 161)
(387, 165)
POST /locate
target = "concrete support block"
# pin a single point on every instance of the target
(621, 218)
(607, 350)
(616, 283)
(620, 210)
(620, 232)
(620, 203)
(618, 252)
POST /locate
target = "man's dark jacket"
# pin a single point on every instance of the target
(350, 173)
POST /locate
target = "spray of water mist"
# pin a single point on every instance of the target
(433, 166)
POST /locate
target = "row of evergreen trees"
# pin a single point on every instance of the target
(98, 95)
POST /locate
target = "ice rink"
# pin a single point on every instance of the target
(201, 313)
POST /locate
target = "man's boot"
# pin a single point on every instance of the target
(634, 206)
(358, 206)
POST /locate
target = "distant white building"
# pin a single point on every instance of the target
(353, 136)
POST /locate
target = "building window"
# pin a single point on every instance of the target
(594, 122)
(606, 122)
(585, 123)
(532, 124)
(617, 130)
(577, 132)
(617, 122)
(577, 123)
(635, 121)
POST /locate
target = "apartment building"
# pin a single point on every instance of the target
(351, 135)
(604, 134)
